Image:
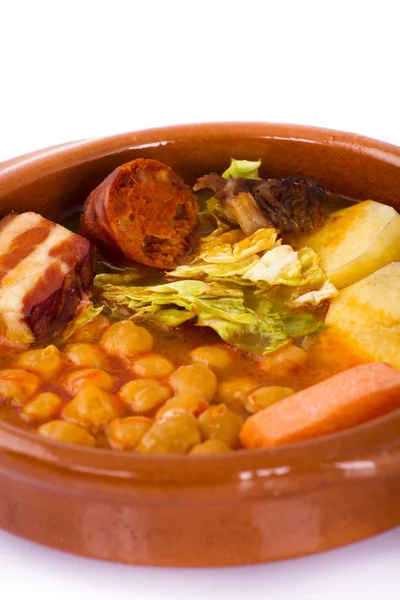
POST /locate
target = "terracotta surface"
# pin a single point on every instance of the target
(244, 507)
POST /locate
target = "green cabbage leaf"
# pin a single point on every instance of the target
(253, 326)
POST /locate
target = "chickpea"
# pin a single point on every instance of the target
(210, 447)
(218, 422)
(92, 408)
(42, 407)
(92, 331)
(78, 379)
(69, 433)
(185, 402)
(125, 434)
(86, 355)
(17, 386)
(196, 378)
(144, 395)
(45, 362)
(126, 339)
(234, 391)
(175, 435)
(153, 365)
(266, 396)
(288, 359)
(213, 356)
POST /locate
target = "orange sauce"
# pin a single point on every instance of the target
(327, 355)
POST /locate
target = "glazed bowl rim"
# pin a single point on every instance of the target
(122, 464)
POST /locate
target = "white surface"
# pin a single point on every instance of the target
(81, 69)
(361, 571)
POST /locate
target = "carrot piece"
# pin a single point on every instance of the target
(344, 400)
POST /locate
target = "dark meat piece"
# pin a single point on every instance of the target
(143, 211)
(45, 273)
(292, 204)
(238, 204)
(213, 181)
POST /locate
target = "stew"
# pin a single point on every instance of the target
(247, 312)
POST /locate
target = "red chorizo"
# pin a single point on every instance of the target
(143, 211)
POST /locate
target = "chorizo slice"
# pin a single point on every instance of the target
(143, 211)
(45, 273)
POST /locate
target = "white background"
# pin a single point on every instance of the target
(72, 70)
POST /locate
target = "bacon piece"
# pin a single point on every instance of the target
(143, 211)
(45, 272)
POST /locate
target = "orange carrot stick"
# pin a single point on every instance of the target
(344, 400)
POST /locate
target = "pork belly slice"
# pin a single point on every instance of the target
(45, 273)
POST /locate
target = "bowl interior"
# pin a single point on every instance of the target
(55, 180)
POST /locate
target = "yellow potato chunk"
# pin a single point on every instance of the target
(42, 407)
(46, 362)
(78, 379)
(356, 241)
(86, 355)
(125, 434)
(367, 315)
(69, 433)
(17, 386)
(92, 408)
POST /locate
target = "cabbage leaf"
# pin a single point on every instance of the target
(242, 168)
(279, 266)
(215, 210)
(85, 313)
(288, 277)
(257, 337)
(233, 245)
(254, 326)
(129, 276)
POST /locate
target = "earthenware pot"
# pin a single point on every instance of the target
(239, 508)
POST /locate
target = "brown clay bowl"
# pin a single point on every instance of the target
(241, 508)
